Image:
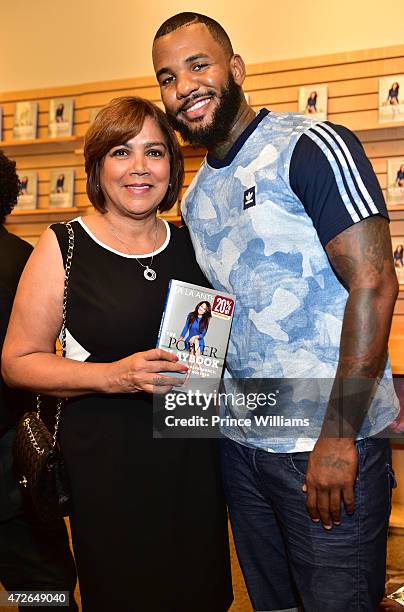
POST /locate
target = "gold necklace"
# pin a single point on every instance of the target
(148, 271)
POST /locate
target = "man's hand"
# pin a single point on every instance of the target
(330, 479)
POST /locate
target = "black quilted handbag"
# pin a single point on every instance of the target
(38, 462)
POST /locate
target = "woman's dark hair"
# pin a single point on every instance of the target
(115, 124)
(205, 319)
(9, 186)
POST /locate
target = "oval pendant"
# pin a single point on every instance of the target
(149, 274)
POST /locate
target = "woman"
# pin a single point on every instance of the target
(59, 113)
(60, 182)
(148, 523)
(398, 256)
(392, 96)
(311, 106)
(196, 326)
(400, 176)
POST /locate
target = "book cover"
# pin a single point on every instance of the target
(27, 199)
(60, 117)
(61, 188)
(395, 181)
(398, 256)
(25, 120)
(391, 102)
(196, 327)
(313, 101)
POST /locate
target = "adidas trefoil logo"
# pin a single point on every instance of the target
(249, 198)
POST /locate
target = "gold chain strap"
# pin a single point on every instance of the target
(68, 266)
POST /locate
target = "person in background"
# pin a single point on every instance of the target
(302, 239)
(33, 556)
(149, 523)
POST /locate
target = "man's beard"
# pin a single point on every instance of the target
(222, 120)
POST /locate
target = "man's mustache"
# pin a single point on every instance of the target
(192, 98)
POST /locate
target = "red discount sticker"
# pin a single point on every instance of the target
(222, 307)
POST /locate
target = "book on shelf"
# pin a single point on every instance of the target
(195, 326)
(60, 121)
(391, 104)
(25, 120)
(313, 101)
(395, 181)
(27, 199)
(1, 123)
(398, 256)
(61, 189)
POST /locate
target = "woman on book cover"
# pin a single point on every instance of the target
(60, 182)
(311, 106)
(59, 113)
(400, 176)
(24, 185)
(392, 97)
(398, 256)
(195, 328)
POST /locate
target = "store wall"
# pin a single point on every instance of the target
(44, 43)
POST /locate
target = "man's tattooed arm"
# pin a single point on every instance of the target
(361, 257)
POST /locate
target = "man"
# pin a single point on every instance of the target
(274, 193)
(33, 556)
(286, 213)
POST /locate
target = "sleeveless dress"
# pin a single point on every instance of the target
(149, 523)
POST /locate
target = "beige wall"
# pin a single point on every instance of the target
(50, 43)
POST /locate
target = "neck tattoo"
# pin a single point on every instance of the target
(148, 271)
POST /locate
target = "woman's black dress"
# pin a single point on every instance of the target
(149, 522)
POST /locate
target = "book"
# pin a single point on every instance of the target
(196, 325)
(398, 257)
(395, 181)
(25, 120)
(313, 101)
(61, 188)
(391, 104)
(27, 198)
(1, 123)
(60, 117)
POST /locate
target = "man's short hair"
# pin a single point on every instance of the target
(185, 19)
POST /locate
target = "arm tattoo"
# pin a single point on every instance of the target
(361, 257)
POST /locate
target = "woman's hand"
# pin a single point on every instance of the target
(142, 372)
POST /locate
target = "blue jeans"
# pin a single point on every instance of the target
(288, 560)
